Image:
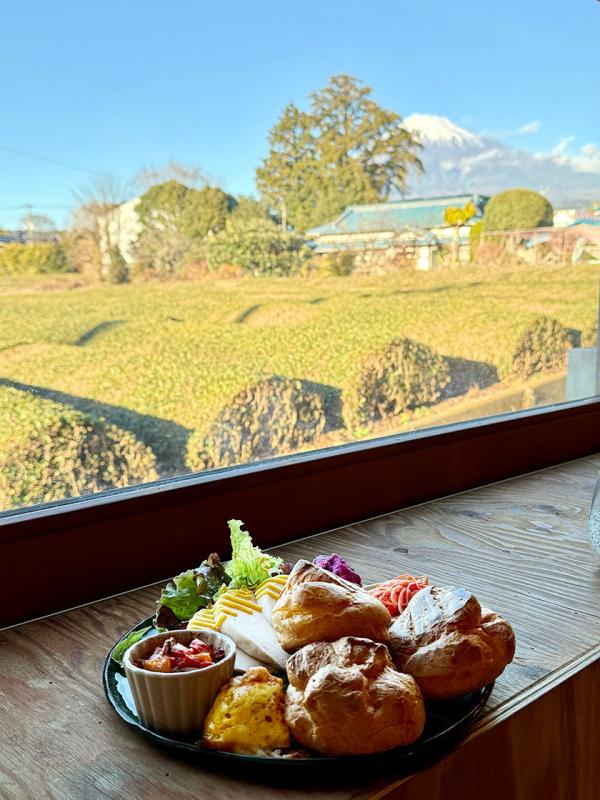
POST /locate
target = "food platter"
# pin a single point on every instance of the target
(264, 663)
(447, 721)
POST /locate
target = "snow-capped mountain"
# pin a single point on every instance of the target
(441, 130)
(457, 160)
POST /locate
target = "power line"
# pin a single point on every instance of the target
(32, 205)
(53, 161)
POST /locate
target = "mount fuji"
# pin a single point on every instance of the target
(457, 160)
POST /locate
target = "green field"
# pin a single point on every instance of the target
(162, 359)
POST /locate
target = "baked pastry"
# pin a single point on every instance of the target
(318, 606)
(248, 715)
(449, 644)
(346, 698)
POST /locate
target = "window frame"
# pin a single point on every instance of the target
(80, 550)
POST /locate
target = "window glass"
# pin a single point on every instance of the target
(234, 233)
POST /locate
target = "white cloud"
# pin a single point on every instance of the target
(560, 151)
(586, 159)
(530, 127)
(527, 129)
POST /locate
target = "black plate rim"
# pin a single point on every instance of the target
(402, 754)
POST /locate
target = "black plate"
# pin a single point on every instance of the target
(446, 722)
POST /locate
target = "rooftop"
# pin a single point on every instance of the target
(426, 212)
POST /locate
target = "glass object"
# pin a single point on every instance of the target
(154, 324)
(594, 520)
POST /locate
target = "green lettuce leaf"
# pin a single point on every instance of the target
(181, 595)
(249, 566)
(121, 647)
(210, 576)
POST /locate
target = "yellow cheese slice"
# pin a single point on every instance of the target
(238, 600)
(205, 618)
(282, 579)
(240, 605)
(269, 592)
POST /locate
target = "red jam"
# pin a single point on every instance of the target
(172, 656)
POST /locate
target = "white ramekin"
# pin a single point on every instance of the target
(176, 703)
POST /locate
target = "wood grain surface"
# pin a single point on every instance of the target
(521, 546)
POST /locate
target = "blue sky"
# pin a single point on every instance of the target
(113, 86)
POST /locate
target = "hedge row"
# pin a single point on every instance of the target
(542, 347)
(61, 453)
(279, 416)
(275, 416)
(31, 259)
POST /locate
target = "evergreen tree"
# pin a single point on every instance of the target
(346, 150)
(175, 219)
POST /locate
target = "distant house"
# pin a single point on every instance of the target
(565, 217)
(25, 237)
(123, 229)
(12, 238)
(416, 225)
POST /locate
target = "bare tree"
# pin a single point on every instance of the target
(190, 175)
(37, 225)
(94, 231)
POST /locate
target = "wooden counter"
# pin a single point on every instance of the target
(521, 546)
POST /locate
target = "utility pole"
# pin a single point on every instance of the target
(29, 219)
(283, 214)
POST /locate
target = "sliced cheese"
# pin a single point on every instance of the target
(205, 618)
(243, 661)
(245, 616)
(237, 603)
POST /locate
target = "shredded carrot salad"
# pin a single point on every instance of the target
(396, 594)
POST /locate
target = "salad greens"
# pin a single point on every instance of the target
(210, 576)
(199, 588)
(122, 646)
(190, 591)
(181, 595)
(249, 566)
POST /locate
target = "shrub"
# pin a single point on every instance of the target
(542, 347)
(29, 259)
(257, 245)
(174, 220)
(489, 252)
(589, 337)
(517, 209)
(271, 417)
(405, 375)
(194, 212)
(117, 270)
(338, 264)
(69, 454)
(475, 237)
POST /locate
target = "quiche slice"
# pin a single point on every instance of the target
(248, 715)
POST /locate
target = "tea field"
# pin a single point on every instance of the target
(161, 359)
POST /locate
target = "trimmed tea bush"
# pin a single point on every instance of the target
(272, 417)
(405, 375)
(542, 348)
(517, 210)
(70, 454)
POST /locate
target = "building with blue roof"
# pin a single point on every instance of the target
(417, 223)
